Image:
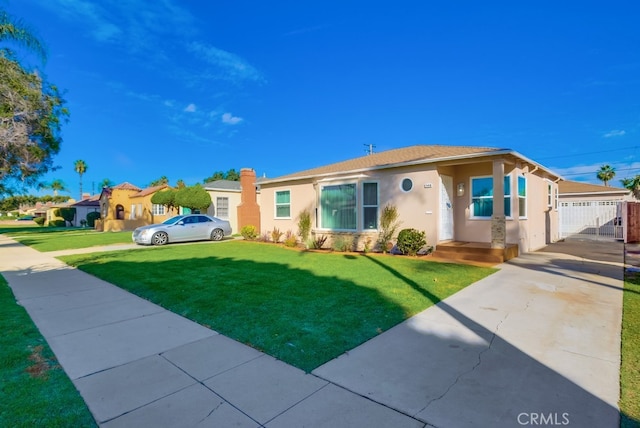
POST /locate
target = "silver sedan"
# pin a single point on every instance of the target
(182, 228)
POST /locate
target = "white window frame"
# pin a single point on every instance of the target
(132, 214)
(526, 190)
(549, 194)
(276, 204)
(158, 209)
(507, 197)
(226, 208)
(376, 206)
(358, 202)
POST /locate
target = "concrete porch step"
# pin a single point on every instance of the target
(474, 251)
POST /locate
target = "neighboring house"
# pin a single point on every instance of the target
(84, 207)
(126, 206)
(495, 197)
(227, 196)
(591, 210)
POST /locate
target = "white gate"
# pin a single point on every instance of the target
(591, 219)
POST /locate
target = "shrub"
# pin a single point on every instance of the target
(304, 224)
(290, 239)
(40, 221)
(68, 214)
(83, 223)
(388, 226)
(410, 241)
(249, 232)
(318, 242)
(342, 243)
(276, 235)
(264, 237)
(92, 217)
(57, 223)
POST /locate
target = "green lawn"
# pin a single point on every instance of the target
(35, 391)
(630, 367)
(55, 239)
(304, 308)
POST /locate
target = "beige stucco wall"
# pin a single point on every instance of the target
(234, 201)
(420, 207)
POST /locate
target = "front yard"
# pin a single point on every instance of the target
(303, 308)
(55, 239)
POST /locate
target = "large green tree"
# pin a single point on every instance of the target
(31, 112)
(165, 197)
(606, 174)
(193, 197)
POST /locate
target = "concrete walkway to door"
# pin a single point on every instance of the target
(537, 342)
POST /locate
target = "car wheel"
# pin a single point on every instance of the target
(217, 235)
(159, 238)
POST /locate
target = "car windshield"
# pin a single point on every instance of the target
(173, 220)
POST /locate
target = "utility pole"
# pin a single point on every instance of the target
(369, 148)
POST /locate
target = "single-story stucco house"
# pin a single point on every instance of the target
(494, 197)
(226, 197)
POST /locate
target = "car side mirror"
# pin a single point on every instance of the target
(181, 223)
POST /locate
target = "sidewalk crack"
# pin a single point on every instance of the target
(472, 369)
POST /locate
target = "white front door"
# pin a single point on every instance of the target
(446, 208)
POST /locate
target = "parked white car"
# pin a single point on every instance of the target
(182, 228)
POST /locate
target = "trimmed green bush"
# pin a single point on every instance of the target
(57, 223)
(410, 241)
(40, 221)
(249, 232)
(92, 217)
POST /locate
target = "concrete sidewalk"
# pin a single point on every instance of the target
(539, 338)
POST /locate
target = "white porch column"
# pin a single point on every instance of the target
(498, 221)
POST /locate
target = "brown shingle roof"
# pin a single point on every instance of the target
(149, 190)
(393, 157)
(578, 187)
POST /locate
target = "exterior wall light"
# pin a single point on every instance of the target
(460, 189)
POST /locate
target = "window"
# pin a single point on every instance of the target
(549, 194)
(370, 205)
(482, 196)
(158, 209)
(132, 214)
(522, 196)
(222, 205)
(338, 207)
(119, 212)
(406, 185)
(283, 204)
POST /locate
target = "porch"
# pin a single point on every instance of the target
(480, 252)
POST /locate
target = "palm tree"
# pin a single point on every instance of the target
(632, 184)
(105, 183)
(80, 167)
(160, 181)
(57, 186)
(14, 31)
(606, 174)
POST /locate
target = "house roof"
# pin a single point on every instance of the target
(89, 202)
(126, 186)
(400, 157)
(228, 185)
(576, 188)
(149, 190)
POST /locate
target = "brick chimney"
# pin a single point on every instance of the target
(248, 210)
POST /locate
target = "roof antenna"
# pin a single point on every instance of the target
(369, 148)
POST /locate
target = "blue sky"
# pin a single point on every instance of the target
(186, 88)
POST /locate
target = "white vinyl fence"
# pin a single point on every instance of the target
(591, 219)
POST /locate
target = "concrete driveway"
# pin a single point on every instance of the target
(537, 343)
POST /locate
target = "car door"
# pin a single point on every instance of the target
(203, 229)
(184, 230)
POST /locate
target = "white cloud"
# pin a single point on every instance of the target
(229, 66)
(614, 133)
(230, 119)
(587, 173)
(191, 108)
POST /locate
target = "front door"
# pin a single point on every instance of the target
(446, 208)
